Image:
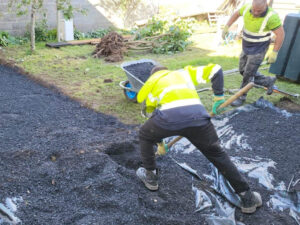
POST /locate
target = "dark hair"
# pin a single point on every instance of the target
(157, 68)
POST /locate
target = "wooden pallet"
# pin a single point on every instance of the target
(77, 42)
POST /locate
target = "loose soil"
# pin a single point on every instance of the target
(288, 104)
(74, 166)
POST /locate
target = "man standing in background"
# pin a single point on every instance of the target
(259, 21)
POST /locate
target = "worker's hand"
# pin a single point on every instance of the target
(218, 100)
(225, 32)
(146, 111)
(271, 57)
(162, 148)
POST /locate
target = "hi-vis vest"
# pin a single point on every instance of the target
(170, 89)
(255, 28)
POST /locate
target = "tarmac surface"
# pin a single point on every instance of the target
(61, 163)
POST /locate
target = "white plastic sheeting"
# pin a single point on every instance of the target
(222, 212)
(8, 210)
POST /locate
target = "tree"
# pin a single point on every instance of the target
(228, 6)
(127, 7)
(22, 7)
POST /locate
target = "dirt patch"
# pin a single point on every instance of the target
(288, 104)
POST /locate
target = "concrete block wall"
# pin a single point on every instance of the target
(8, 21)
(100, 14)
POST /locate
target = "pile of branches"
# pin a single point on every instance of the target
(146, 43)
(113, 46)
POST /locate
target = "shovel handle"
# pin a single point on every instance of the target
(236, 96)
(225, 104)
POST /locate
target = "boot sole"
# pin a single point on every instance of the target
(147, 185)
(251, 209)
(151, 187)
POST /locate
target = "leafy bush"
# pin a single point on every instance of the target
(4, 38)
(41, 30)
(153, 28)
(98, 33)
(126, 32)
(92, 34)
(52, 34)
(78, 35)
(176, 38)
(17, 40)
(172, 36)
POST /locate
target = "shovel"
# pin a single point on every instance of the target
(165, 147)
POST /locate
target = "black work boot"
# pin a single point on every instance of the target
(271, 85)
(148, 177)
(250, 201)
(238, 102)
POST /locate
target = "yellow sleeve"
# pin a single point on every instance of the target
(147, 88)
(274, 22)
(201, 74)
(242, 9)
(145, 91)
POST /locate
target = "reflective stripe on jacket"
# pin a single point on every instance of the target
(169, 89)
(261, 35)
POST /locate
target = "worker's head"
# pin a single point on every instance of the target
(259, 7)
(157, 68)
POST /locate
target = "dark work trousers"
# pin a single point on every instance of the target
(203, 137)
(248, 68)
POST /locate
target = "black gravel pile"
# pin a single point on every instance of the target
(140, 70)
(74, 166)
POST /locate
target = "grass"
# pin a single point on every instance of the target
(73, 70)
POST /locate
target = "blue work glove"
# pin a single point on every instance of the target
(218, 100)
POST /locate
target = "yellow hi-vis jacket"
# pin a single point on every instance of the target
(170, 89)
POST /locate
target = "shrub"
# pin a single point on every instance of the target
(78, 35)
(98, 33)
(41, 30)
(92, 34)
(172, 36)
(153, 28)
(176, 38)
(4, 38)
(52, 34)
(17, 40)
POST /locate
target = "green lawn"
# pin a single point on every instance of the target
(73, 70)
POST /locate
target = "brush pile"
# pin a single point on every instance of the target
(113, 46)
